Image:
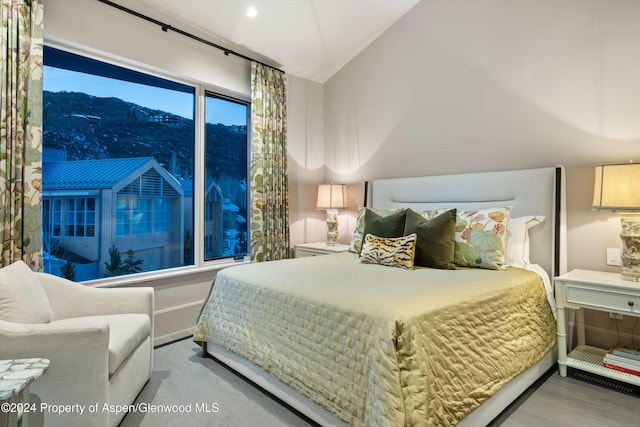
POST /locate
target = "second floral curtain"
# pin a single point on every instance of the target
(269, 182)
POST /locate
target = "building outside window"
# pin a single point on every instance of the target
(118, 170)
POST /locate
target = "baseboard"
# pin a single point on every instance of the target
(174, 336)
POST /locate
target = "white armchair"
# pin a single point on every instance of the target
(99, 342)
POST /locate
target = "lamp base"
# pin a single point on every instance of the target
(332, 227)
(630, 235)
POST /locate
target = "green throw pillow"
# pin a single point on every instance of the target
(384, 226)
(356, 238)
(435, 245)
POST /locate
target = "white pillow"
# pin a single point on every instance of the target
(517, 251)
(22, 298)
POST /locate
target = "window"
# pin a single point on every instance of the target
(225, 228)
(51, 217)
(80, 214)
(144, 206)
(79, 217)
(119, 149)
(118, 168)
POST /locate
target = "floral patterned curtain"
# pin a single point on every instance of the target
(269, 182)
(21, 131)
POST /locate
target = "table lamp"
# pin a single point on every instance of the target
(617, 188)
(332, 197)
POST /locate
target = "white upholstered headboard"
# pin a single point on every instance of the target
(528, 191)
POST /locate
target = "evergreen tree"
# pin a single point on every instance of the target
(131, 265)
(114, 266)
(68, 271)
(117, 267)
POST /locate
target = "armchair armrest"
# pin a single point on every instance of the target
(43, 340)
(80, 353)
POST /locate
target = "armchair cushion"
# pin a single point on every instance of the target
(126, 332)
(22, 298)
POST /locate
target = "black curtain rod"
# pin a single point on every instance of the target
(166, 27)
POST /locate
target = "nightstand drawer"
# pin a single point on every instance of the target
(318, 248)
(603, 299)
(303, 253)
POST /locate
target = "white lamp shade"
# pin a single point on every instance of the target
(617, 187)
(332, 196)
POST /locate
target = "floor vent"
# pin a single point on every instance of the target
(604, 381)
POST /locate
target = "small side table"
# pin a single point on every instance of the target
(15, 377)
(318, 248)
(592, 290)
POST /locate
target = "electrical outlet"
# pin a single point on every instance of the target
(613, 256)
(615, 316)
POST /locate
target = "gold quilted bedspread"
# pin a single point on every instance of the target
(382, 346)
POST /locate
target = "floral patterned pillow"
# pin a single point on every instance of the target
(356, 239)
(481, 237)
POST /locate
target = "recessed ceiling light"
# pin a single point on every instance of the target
(252, 12)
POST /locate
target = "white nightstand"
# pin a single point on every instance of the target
(595, 290)
(318, 248)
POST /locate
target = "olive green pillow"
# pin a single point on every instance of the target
(358, 232)
(384, 226)
(436, 243)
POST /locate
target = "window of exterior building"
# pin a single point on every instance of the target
(51, 217)
(80, 217)
(119, 149)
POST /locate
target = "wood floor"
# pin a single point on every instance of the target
(187, 389)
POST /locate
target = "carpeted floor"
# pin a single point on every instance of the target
(187, 389)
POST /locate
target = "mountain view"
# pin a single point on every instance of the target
(90, 127)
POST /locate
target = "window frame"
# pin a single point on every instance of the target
(200, 92)
(247, 104)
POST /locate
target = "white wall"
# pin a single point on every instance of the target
(459, 86)
(305, 142)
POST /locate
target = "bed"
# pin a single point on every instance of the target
(348, 343)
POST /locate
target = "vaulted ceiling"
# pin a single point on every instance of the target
(311, 39)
